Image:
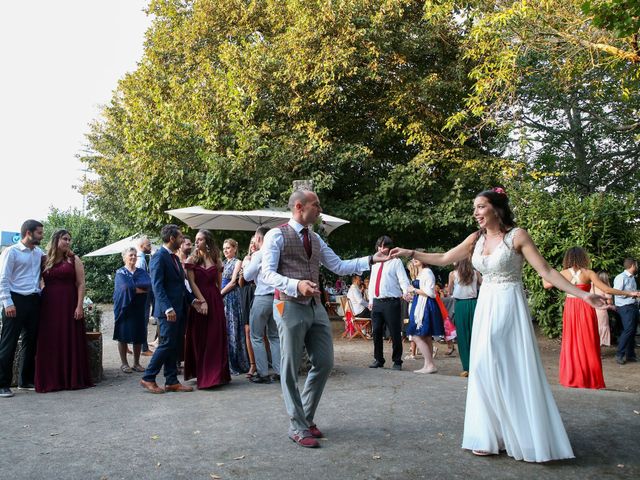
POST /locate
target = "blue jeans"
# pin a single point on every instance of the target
(167, 352)
(626, 341)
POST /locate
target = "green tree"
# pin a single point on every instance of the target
(563, 90)
(233, 100)
(604, 225)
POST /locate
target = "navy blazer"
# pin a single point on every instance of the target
(167, 280)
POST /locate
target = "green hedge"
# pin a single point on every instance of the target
(605, 225)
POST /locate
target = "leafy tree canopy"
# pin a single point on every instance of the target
(233, 100)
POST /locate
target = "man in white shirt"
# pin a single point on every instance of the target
(387, 286)
(20, 296)
(627, 308)
(261, 316)
(358, 303)
(291, 260)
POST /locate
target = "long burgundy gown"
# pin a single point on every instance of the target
(206, 354)
(62, 362)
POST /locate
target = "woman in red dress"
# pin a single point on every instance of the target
(206, 355)
(580, 362)
(62, 362)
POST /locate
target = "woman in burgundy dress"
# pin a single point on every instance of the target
(62, 362)
(206, 350)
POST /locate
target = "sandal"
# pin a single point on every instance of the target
(251, 373)
(448, 353)
(138, 368)
(126, 368)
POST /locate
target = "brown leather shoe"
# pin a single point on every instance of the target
(177, 387)
(148, 353)
(151, 386)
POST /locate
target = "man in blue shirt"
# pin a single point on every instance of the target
(628, 311)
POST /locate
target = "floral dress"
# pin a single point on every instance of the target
(238, 358)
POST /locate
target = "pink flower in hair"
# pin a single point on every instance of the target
(499, 190)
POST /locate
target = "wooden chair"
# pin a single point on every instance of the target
(354, 326)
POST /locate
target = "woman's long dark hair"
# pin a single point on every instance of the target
(198, 258)
(54, 256)
(500, 203)
(465, 270)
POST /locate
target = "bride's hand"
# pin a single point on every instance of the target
(596, 301)
(399, 252)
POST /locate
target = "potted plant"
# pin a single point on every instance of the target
(93, 322)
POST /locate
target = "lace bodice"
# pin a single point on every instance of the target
(504, 265)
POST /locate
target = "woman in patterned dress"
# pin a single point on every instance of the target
(238, 358)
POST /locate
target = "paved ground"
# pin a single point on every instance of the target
(380, 424)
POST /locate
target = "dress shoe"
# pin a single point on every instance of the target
(304, 441)
(151, 386)
(260, 379)
(275, 377)
(376, 364)
(620, 361)
(27, 386)
(315, 433)
(178, 387)
(397, 366)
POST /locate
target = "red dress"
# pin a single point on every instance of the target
(580, 363)
(62, 362)
(206, 354)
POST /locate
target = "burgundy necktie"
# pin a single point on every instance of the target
(175, 261)
(305, 241)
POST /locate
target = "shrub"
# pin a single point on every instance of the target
(605, 225)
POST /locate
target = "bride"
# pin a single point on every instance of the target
(509, 402)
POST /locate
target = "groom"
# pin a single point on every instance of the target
(171, 301)
(292, 255)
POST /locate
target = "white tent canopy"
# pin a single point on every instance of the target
(201, 218)
(120, 245)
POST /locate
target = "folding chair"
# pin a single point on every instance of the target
(354, 326)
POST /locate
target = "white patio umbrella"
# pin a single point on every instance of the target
(120, 245)
(198, 217)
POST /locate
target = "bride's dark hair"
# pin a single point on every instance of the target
(498, 199)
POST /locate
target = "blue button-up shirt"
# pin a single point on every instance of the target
(253, 273)
(272, 246)
(19, 272)
(625, 281)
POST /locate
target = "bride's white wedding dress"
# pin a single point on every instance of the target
(509, 402)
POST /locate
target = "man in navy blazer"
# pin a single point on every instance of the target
(171, 302)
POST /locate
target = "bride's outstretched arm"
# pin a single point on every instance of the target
(523, 243)
(457, 253)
